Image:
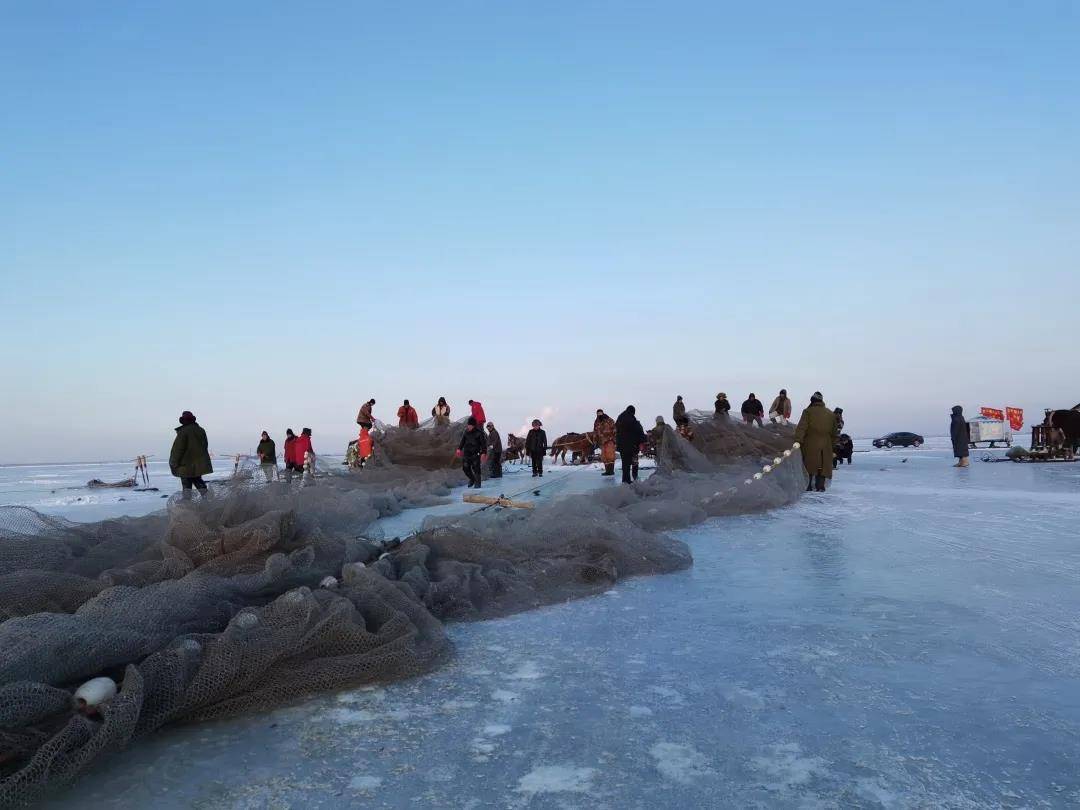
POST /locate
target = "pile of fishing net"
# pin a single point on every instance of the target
(428, 447)
(270, 591)
(721, 438)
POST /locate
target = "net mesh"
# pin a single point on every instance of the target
(271, 590)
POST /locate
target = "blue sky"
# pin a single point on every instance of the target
(268, 212)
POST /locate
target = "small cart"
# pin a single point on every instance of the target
(994, 431)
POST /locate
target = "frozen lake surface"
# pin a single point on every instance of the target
(908, 639)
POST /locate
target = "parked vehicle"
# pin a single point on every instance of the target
(994, 431)
(901, 439)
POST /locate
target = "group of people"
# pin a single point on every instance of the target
(818, 430)
(752, 410)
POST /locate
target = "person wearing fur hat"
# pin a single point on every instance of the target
(723, 407)
(816, 432)
(536, 445)
(189, 459)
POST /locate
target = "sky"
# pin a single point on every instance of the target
(268, 212)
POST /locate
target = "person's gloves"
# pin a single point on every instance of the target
(457, 453)
(483, 457)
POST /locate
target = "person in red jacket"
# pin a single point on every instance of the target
(478, 412)
(407, 416)
(302, 449)
(290, 455)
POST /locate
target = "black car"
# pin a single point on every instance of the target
(900, 439)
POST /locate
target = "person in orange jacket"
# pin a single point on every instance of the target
(407, 416)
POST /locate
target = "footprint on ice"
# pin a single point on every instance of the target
(351, 717)
(680, 763)
(787, 767)
(668, 694)
(526, 672)
(557, 779)
(365, 782)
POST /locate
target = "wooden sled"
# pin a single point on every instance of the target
(500, 501)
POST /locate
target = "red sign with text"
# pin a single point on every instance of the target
(1016, 417)
(992, 413)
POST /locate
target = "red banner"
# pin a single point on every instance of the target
(992, 413)
(1016, 417)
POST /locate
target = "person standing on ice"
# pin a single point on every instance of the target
(960, 434)
(365, 419)
(723, 407)
(189, 459)
(495, 451)
(478, 412)
(780, 410)
(678, 412)
(629, 437)
(441, 413)
(604, 428)
(839, 420)
(303, 452)
(472, 450)
(816, 433)
(753, 411)
(267, 452)
(407, 416)
(536, 446)
(290, 455)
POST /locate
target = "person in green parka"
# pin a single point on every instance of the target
(267, 452)
(190, 457)
(816, 433)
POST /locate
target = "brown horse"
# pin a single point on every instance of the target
(515, 448)
(580, 446)
(1069, 423)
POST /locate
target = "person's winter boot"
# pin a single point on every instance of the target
(609, 469)
(634, 471)
(819, 483)
(810, 484)
(964, 462)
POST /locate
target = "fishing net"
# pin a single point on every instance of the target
(428, 447)
(268, 591)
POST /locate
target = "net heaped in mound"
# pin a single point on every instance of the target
(268, 592)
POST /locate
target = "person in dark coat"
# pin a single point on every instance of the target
(189, 459)
(960, 434)
(536, 446)
(267, 452)
(816, 434)
(629, 436)
(839, 418)
(472, 450)
(753, 411)
(843, 449)
(723, 407)
(495, 451)
(678, 412)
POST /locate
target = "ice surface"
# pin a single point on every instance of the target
(909, 639)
